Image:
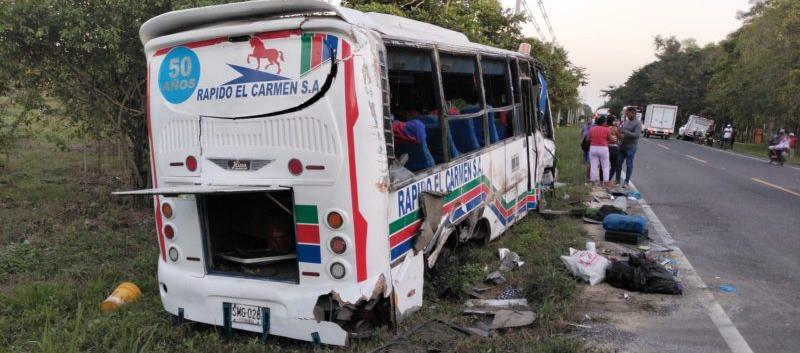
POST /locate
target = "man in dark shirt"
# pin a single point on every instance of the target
(632, 129)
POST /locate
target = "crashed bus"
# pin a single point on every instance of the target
(309, 161)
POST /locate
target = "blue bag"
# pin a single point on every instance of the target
(625, 223)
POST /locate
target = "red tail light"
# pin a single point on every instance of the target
(169, 232)
(338, 245)
(295, 166)
(191, 163)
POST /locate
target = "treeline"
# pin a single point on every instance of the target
(82, 62)
(750, 79)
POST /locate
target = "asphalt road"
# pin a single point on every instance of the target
(737, 219)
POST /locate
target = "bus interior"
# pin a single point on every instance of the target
(418, 108)
(251, 234)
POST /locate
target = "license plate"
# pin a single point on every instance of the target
(246, 314)
(239, 165)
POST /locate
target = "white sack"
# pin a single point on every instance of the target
(586, 265)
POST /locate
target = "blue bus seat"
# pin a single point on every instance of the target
(434, 131)
(478, 122)
(410, 139)
(463, 131)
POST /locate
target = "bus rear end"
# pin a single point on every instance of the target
(251, 126)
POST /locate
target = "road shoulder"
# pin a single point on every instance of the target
(639, 322)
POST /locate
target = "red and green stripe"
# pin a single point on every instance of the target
(315, 49)
(307, 229)
(403, 229)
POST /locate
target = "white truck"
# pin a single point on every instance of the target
(659, 120)
(696, 127)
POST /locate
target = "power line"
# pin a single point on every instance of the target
(533, 20)
(547, 20)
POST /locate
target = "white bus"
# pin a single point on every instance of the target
(310, 160)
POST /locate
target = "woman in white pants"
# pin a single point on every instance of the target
(599, 136)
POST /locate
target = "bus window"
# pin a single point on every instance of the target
(519, 122)
(530, 114)
(497, 87)
(462, 101)
(416, 127)
(544, 117)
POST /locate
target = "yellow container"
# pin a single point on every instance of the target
(126, 292)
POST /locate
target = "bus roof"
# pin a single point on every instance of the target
(389, 26)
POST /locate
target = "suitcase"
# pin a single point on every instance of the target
(626, 237)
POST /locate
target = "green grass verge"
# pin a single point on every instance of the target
(66, 243)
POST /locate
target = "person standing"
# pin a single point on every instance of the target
(727, 133)
(585, 143)
(598, 153)
(613, 145)
(631, 130)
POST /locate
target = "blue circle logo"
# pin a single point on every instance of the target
(179, 75)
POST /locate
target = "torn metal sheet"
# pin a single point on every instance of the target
(512, 318)
(430, 206)
(358, 318)
(441, 239)
(496, 303)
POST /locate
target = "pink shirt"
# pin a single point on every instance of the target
(598, 135)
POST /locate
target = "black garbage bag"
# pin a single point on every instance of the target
(642, 275)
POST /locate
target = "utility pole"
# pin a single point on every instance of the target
(518, 7)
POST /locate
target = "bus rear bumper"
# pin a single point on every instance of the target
(291, 307)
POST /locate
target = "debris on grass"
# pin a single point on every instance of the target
(509, 260)
(125, 293)
(510, 293)
(495, 277)
(505, 313)
(430, 336)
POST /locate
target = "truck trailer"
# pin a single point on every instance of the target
(695, 128)
(659, 120)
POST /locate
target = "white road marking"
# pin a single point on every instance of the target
(736, 343)
(662, 146)
(775, 186)
(695, 158)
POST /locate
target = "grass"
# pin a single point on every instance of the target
(65, 243)
(760, 150)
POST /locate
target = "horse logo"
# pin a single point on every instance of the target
(273, 56)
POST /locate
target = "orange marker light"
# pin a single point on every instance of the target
(166, 210)
(335, 220)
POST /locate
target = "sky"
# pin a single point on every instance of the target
(612, 38)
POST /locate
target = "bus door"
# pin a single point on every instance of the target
(526, 92)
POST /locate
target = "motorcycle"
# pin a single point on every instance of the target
(709, 139)
(777, 156)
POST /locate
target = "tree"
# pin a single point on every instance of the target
(757, 80)
(482, 21)
(487, 22)
(86, 55)
(752, 78)
(679, 77)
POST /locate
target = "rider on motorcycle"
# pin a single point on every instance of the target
(779, 147)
